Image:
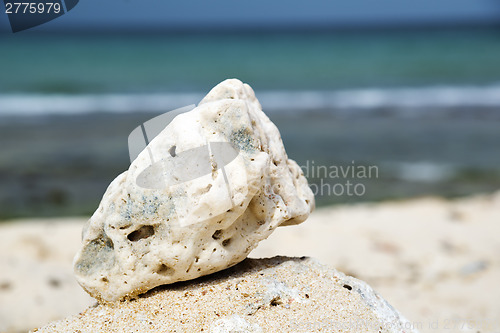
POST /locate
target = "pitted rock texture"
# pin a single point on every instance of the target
(285, 295)
(157, 226)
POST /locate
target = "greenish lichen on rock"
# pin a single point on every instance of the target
(244, 140)
(96, 255)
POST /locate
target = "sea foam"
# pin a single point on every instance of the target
(364, 99)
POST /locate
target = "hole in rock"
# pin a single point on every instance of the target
(104, 279)
(164, 270)
(172, 151)
(217, 234)
(226, 242)
(143, 232)
(348, 287)
(276, 301)
(206, 189)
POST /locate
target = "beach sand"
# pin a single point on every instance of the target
(436, 261)
(279, 294)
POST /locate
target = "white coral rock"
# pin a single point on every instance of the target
(144, 236)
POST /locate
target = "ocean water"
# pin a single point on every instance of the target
(296, 72)
(422, 106)
(159, 63)
(74, 73)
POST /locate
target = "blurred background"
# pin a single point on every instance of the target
(412, 88)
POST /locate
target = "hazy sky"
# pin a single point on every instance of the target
(196, 13)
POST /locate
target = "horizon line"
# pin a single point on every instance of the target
(266, 28)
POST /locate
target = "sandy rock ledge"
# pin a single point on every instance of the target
(279, 294)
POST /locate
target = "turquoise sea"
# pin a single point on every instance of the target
(421, 105)
(187, 62)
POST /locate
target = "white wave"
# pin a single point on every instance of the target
(360, 99)
(422, 171)
(37, 104)
(376, 98)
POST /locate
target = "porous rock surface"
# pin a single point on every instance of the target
(279, 294)
(143, 236)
